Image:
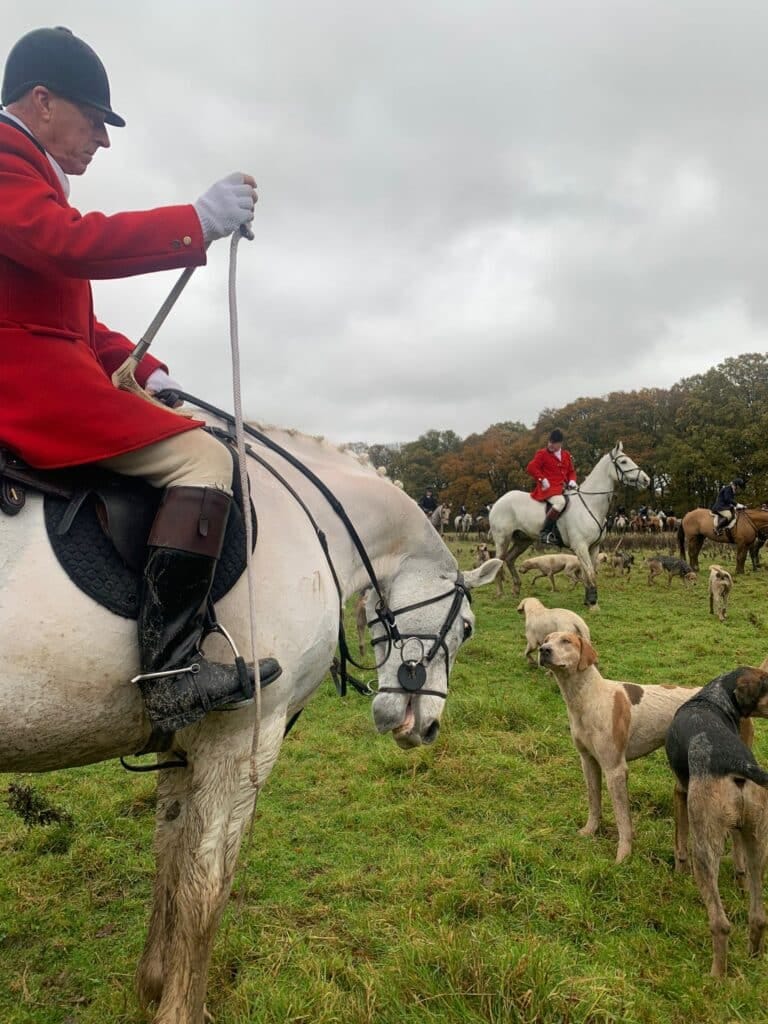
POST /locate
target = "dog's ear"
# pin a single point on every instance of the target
(751, 692)
(588, 655)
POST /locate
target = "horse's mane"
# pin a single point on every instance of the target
(317, 449)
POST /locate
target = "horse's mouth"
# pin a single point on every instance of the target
(407, 724)
(403, 726)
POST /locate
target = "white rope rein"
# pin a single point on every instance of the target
(234, 338)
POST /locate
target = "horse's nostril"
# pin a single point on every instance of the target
(431, 732)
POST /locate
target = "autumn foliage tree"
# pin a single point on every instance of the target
(690, 439)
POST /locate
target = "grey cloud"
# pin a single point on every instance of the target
(468, 212)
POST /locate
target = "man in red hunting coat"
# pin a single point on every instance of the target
(58, 406)
(552, 469)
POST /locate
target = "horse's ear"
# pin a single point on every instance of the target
(618, 448)
(485, 574)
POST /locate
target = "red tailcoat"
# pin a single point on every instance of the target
(545, 465)
(58, 406)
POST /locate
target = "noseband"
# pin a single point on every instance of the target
(412, 673)
(625, 475)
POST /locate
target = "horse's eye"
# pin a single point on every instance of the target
(467, 629)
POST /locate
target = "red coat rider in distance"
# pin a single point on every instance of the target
(552, 469)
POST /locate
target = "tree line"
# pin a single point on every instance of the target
(690, 439)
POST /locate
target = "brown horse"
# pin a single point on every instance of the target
(699, 523)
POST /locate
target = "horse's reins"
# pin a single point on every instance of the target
(234, 338)
(385, 616)
(412, 673)
(125, 379)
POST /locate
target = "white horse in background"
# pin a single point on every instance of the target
(66, 698)
(440, 518)
(463, 524)
(516, 519)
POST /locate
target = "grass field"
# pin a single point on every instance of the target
(447, 885)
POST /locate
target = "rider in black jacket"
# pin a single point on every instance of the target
(725, 505)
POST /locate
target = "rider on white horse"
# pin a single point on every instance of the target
(58, 405)
(552, 469)
(428, 502)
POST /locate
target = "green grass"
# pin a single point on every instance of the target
(445, 885)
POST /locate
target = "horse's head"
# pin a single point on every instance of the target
(430, 619)
(626, 470)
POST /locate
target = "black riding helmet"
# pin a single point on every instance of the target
(737, 482)
(57, 59)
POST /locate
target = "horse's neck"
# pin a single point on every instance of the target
(391, 542)
(598, 486)
(391, 527)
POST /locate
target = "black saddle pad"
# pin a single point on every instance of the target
(90, 559)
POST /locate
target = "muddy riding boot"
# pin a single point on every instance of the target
(177, 683)
(549, 533)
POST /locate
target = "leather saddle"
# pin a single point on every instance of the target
(98, 523)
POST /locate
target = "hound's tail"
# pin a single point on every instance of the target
(681, 540)
(751, 770)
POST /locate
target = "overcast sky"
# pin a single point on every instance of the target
(469, 211)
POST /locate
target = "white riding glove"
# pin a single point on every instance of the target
(572, 485)
(159, 380)
(225, 207)
(545, 483)
(738, 505)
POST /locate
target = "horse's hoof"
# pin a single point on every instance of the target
(588, 830)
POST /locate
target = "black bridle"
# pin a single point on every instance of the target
(386, 617)
(627, 477)
(412, 673)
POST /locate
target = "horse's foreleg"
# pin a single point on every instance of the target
(754, 554)
(585, 557)
(201, 816)
(741, 557)
(172, 795)
(502, 549)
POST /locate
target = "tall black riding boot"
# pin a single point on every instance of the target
(178, 685)
(549, 533)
